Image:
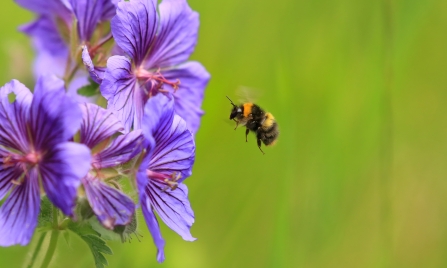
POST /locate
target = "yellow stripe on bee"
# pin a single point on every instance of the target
(247, 108)
(273, 143)
(269, 120)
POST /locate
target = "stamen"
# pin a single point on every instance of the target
(20, 180)
(24, 162)
(155, 81)
(169, 180)
(173, 182)
(33, 158)
(18, 183)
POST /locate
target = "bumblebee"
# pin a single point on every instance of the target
(255, 119)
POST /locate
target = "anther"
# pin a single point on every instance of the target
(18, 183)
(172, 181)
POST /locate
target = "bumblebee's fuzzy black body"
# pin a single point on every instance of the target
(255, 119)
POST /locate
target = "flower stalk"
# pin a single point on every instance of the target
(53, 239)
(37, 250)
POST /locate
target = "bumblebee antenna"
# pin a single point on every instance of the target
(231, 101)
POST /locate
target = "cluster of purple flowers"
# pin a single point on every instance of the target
(56, 143)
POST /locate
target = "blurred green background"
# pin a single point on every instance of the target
(359, 175)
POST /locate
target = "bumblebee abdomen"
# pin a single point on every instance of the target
(268, 134)
(268, 122)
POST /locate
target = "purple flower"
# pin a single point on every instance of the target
(35, 152)
(110, 205)
(168, 161)
(158, 47)
(51, 31)
(96, 72)
(89, 13)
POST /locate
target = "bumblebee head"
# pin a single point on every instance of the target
(235, 111)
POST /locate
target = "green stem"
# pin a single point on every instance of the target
(36, 251)
(53, 240)
(51, 248)
(69, 76)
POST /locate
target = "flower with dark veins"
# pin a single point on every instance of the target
(168, 161)
(35, 151)
(52, 30)
(110, 205)
(159, 47)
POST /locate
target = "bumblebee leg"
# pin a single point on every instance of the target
(259, 146)
(237, 123)
(246, 134)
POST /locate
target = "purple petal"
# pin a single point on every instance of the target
(122, 149)
(46, 37)
(97, 124)
(174, 144)
(48, 7)
(151, 220)
(47, 64)
(111, 206)
(88, 14)
(8, 174)
(109, 9)
(177, 36)
(158, 116)
(173, 207)
(134, 27)
(189, 97)
(96, 73)
(13, 131)
(18, 215)
(61, 172)
(54, 116)
(123, 92)
(174, 150)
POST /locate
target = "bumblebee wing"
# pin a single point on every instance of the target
(248, 94)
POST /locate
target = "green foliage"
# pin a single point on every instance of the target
(119, 233)
(106, 234)
(97, 245)
(45, 218)
(66, 235)
(89, 90)
(83, 209)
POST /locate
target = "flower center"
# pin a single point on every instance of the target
(155, 81)
(169, 180)
(25, 162)
(31, 159)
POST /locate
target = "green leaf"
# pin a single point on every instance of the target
(66, 235)
(83, 209)
(81, 228)
(97, 245)
(89, 90)
(106, 234)
(75, 48)
(45, 218)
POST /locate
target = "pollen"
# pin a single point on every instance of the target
(172, 181)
